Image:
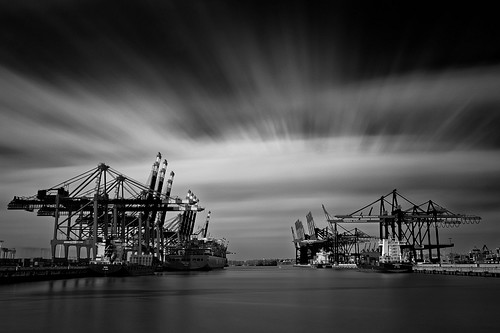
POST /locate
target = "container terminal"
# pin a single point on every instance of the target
(103, 204)
(101, 207)
(408, 233)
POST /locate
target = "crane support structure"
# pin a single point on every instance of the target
(102, 204)
(416, 226)
(338, 242)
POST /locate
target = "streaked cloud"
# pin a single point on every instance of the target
(264, 112)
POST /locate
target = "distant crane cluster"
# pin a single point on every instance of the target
(6, 253)
(102, 204)
(414, 226)
(336, 240)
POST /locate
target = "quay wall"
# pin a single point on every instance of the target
(27, 274)
(345, 266)
(485, 270)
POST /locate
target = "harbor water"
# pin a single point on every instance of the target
(254, 299)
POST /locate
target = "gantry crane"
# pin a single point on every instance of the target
(416, 226)
(336, 240)
(102, 204)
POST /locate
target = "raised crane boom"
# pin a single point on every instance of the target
(103, 203)
(205, 230)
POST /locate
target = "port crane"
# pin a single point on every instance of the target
(415, 226)
(334, 239)
(102, 204)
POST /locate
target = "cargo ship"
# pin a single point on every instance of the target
(391, 260)
(109, 261)
(322, 259)
(386, 267)
(196, 255)
(123, 268)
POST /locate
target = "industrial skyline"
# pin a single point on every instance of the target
(266, 110)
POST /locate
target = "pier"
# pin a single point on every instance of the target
(28, 274)
(485, 270)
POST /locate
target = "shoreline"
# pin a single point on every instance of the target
(30, 274)
(483, 270)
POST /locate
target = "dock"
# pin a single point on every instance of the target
(484, 270)
(28, 274)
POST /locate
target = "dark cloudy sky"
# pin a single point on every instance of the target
(265, 109)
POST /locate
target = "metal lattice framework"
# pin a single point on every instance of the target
(346, 242)
(102, 203)
(335, 239)
(415, 225)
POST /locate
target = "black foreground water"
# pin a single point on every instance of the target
(253, 299)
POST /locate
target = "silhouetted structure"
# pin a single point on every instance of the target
(415, 227)
(102, 204)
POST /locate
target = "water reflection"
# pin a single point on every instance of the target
(251, 300)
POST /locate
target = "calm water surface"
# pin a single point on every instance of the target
(267, 299)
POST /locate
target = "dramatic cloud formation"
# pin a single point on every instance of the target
(265, 110)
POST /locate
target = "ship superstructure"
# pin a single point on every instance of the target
(190, 251)
(198, 254)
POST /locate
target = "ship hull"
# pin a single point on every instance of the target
(139, 270)
(387, 267)
(194, 262)
(304, 265)
(120, 270)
